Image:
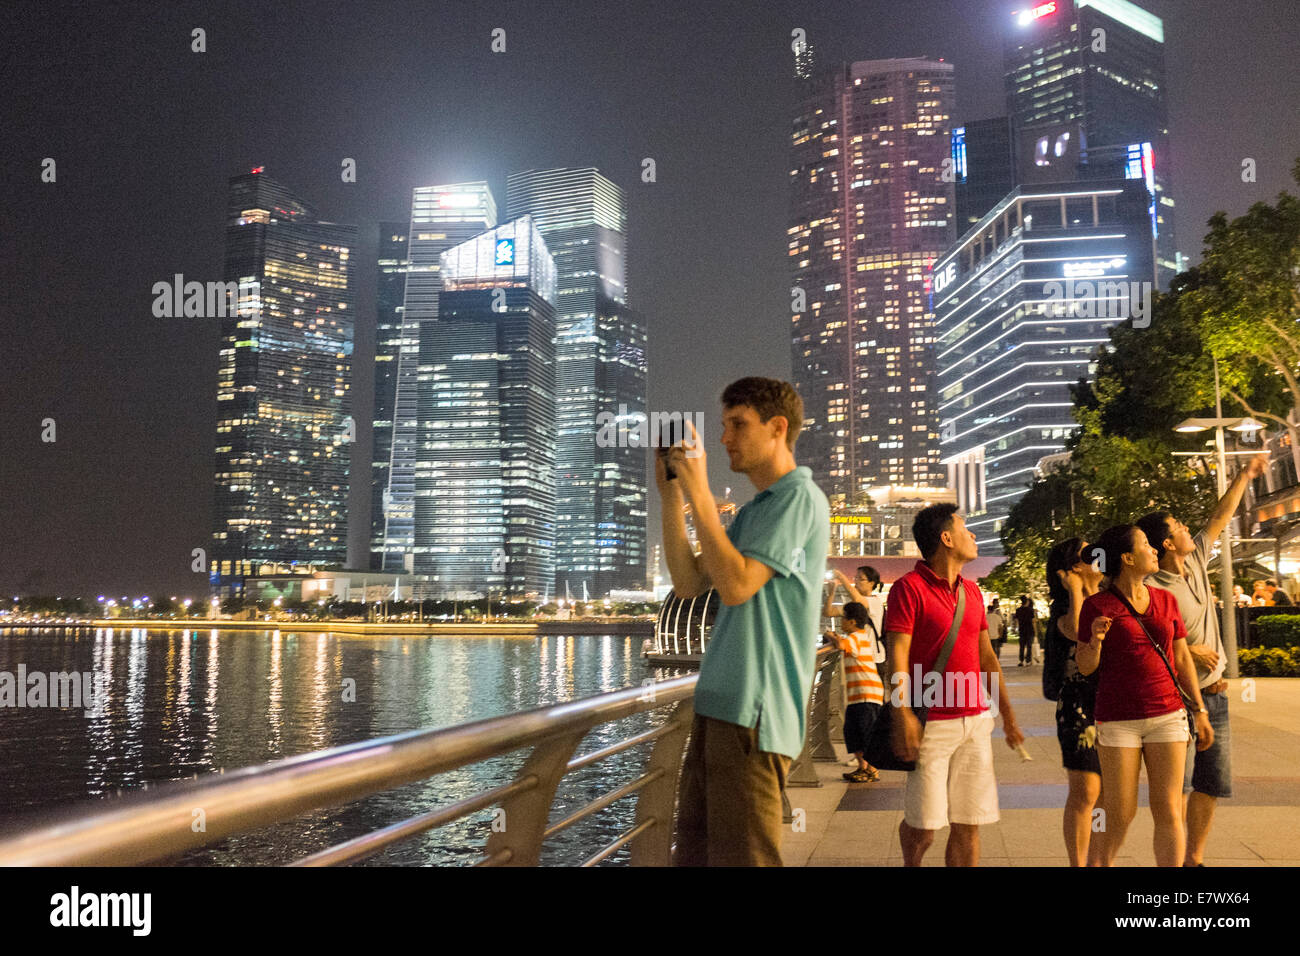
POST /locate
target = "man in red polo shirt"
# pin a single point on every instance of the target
(953, 781)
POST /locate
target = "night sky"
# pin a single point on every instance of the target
(145, 134)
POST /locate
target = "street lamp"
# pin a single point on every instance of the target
(1228, 613)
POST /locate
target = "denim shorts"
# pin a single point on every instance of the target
(1210, 771)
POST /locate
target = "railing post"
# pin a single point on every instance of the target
(802, 773)
(525, 815)
(838, 702)
(819, 732)
(658, 799)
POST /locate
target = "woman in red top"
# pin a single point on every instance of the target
(1139, 712)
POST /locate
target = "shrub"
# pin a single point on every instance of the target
(1278, 630)
(1269, 662)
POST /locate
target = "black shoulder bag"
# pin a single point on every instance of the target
(1189, 705)
(880, 749)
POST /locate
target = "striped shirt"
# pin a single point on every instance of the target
(860, 674)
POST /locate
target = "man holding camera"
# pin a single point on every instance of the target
(757, 669)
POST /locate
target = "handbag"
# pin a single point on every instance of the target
(1189, 705)
(879, 751)
(1056, 650)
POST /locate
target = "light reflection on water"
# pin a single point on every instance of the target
(191, 702)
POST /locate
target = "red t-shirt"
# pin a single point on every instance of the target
(1132, 681)
(922, 604)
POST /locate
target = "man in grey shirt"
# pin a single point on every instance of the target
(1183, 557)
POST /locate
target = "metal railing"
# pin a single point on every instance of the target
(159, 824)
(682, 625)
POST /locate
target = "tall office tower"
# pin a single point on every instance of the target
(485, 485)
(1085, 81)
(390, 294)
(1023, 301)
(441, 217)
(870, 212)
(984, 165)
(600, 355)
(283, 402)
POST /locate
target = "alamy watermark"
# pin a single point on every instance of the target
(952, 689)
(76, 689)
(657, 430)
(205, 300)
(1086, 299)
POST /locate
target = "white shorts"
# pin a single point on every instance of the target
(1165, 729)
(953, 781)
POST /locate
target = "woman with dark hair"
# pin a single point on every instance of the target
(1132, 636)
(1070, 581)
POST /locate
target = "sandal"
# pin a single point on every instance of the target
(859, 776)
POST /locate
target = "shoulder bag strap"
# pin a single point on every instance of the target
(1187, 701)
(946, 651)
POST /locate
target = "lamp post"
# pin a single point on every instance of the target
(1228, 613)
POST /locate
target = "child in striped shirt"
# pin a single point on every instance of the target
(866, 693)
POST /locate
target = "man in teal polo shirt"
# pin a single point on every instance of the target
(757, 671)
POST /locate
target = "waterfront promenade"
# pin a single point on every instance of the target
(857, 824)
(636, 626)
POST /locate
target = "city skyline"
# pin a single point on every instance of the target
(94, 511)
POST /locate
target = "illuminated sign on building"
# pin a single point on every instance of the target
(943, 279)
(1034, 13)
(1074, 270)
(458, 199)
(850, 519)
(1141, 164)
(505, 252)
(959, 153)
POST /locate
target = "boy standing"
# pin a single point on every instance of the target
(866, 693)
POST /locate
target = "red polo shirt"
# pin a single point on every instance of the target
(921, 604)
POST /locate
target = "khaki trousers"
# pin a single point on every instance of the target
(729, 806)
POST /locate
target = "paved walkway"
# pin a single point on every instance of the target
(857, 824)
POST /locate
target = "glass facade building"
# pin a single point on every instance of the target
(389, 297)
(485, 477)
(870, 212)
(1023, 302)
(1089, 75)
(441, 217)
(283, 393)
(600, 367)
(984, 166)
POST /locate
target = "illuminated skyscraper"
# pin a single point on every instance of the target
(283, 393)
(600, 367)
(1023, 302)
(1085, 80)
(391, 292)
(870, 212)
(485, 478)
(441, 217)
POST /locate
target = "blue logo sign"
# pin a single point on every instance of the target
(505, 252)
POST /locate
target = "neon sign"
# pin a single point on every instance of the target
(1036, 13)
(943, 279)
(1074, 270)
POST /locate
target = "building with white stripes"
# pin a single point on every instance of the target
(1022, 303)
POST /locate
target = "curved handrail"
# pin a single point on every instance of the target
(159, 823)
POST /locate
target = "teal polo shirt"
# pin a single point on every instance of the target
(758, 665)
